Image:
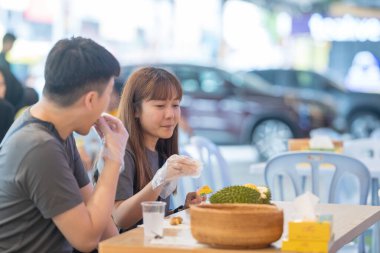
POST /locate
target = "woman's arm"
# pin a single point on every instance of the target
(128, 212)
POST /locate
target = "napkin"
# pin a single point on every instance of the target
(183, 238)
(305, 206)
(321, 142)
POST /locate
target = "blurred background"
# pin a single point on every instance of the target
(255, 73)
(334, 37)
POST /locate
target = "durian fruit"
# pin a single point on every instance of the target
(239, 194)
(253, 186)
(265, 194)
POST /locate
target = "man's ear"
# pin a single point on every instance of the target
(90, 98)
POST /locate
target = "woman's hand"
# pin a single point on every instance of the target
(192, 198)
(176, 166)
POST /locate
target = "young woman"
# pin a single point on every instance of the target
(149, 108)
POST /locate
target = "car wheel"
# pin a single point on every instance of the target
(362, 124)
(270, 137)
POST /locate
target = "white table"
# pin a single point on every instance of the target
(349, 221)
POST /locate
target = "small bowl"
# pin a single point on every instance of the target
(236, 225)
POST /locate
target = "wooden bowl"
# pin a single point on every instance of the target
(236, 225)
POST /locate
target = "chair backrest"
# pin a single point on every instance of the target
(287, 164)
(185, 184)
(215, 168)
(214, 165)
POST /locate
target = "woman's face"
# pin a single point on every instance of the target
(158, 119)
(3, 87)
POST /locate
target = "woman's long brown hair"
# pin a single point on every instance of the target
(148, 83)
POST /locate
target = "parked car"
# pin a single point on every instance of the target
(358, 113)
(231, 108)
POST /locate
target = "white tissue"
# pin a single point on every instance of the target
(305, 206)
(321, 142)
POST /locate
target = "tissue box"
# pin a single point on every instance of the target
(305, 246)
(310, 230)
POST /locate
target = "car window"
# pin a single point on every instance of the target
(251, 80)
(211, 82)
(270, 76)
(312, 80)
(188, 78)
(200, 80)
(324, 84)
(282, 78)
(306, 80)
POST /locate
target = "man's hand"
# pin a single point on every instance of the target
(114, 136)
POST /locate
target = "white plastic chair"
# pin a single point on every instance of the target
(214, 165)
(215, 168)
(287, 165)
(367, 150)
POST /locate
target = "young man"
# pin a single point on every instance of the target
(46, 201)
(8, 41)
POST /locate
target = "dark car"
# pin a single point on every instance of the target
(358, 113)
(228, 109)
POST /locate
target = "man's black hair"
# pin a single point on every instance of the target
(75, 66)
(9, 37)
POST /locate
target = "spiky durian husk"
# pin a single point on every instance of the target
(237, 194)
(266, 194)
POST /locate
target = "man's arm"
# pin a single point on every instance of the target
(85, 224)
(128, 212)
(111, 229)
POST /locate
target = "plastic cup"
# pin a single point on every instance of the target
(153, 218)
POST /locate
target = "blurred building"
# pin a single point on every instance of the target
(236, 34)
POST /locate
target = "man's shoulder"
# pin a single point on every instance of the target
(28, 137)
(35, 133)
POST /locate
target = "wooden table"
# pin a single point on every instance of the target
(349, 221)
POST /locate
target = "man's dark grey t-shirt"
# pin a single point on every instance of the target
(127, 184)
(40, 177)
